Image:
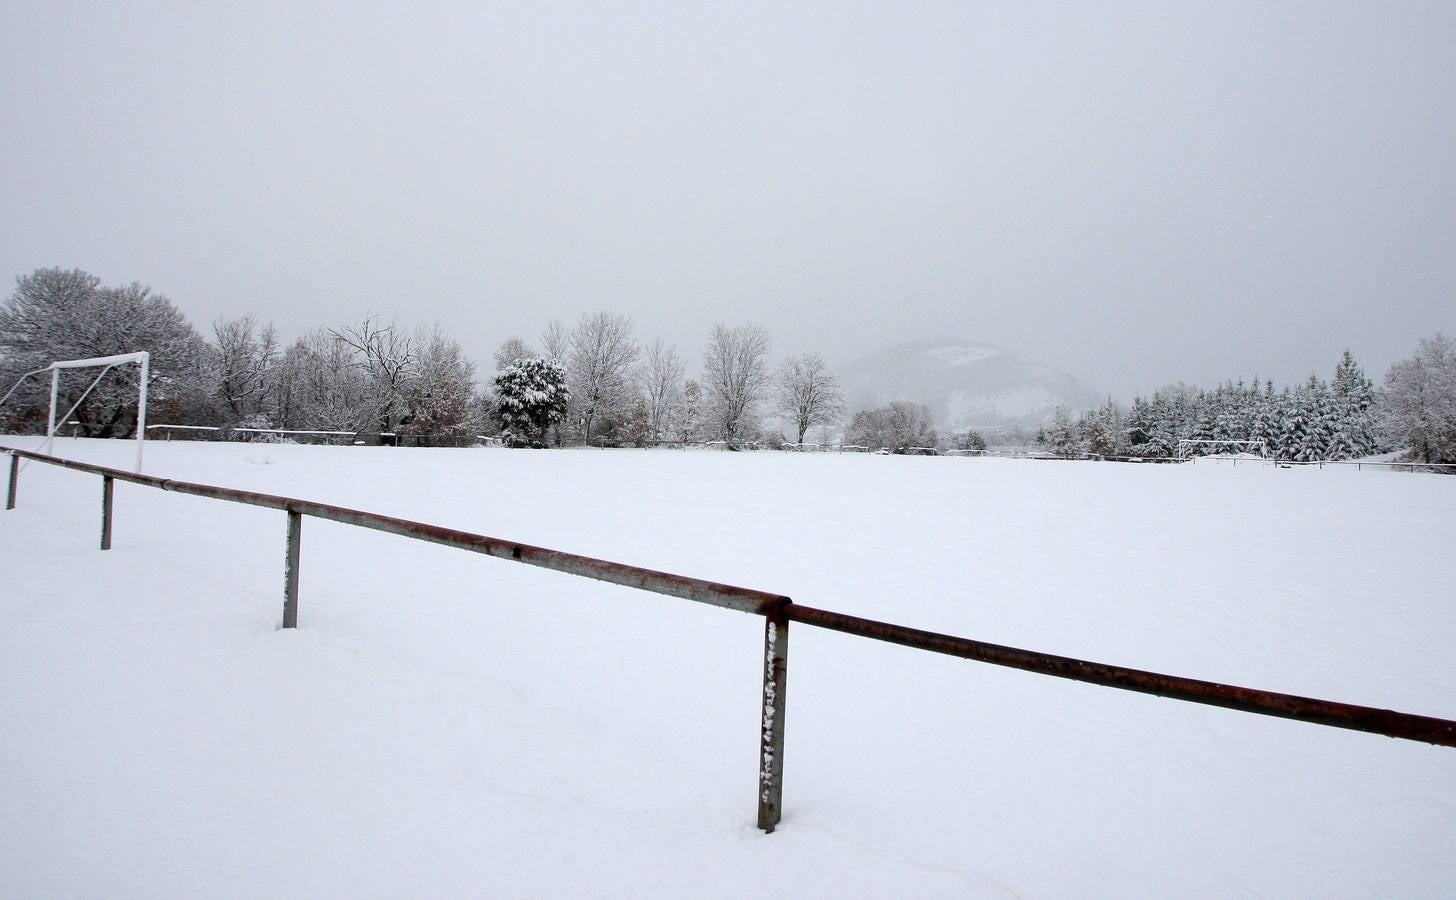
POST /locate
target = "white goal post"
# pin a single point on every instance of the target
(107, 363)
(1259, 448)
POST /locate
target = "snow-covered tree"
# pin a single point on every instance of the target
(1141, 424)
(1313, 421)
(896, 427)
(530, 396)
(1317, 412)
(735, 379)
(439, 396)
(1354, 428)
(1419, 401)
(58, 314)
(599, 359)
(660, 379)
(970, 439)
(1101, 431)
(1266, 425)
(1062, 436)
(510, 350)
(555, 342)
(686, 417)
(322, 387)
(631, 427)
(389, 359)
(808, 394)
(242, 366)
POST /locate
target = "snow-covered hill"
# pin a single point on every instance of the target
(966, 384)
(445, 724)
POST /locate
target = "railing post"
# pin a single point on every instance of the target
(14, 479)
(290, 570)
(771, 732)
(107, 488)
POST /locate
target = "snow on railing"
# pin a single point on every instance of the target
(778, 610)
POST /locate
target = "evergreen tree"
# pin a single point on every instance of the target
(530, 397)
(1267, 424)
(1166, 426)
(1354, 396)
(1295, 420)
(1140, 425)
(1063, 436)
(1100, 431)
(1319, 415)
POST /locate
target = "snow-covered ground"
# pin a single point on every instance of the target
(445, 724)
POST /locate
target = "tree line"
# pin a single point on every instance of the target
(592, 381)
(588, 382)
(1343, 418)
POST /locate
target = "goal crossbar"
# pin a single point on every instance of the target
(140, 356)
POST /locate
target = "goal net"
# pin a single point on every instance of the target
(106, 364)
(1189, 448)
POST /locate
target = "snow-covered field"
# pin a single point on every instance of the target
(444, 724)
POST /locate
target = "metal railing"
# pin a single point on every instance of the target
(778, 611)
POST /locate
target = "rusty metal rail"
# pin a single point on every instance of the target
(1267, 703)
(778, 611)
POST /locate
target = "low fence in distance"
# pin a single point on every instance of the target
(777, 610)
(1359, 464)
(223, 433)
(303, 435)
(214, 432)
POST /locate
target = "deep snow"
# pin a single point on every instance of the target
(446, 724)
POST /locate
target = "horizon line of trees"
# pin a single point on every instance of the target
(1343, 418)
(591, 382)
(594, 382)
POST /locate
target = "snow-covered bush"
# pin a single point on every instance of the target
(531, 396)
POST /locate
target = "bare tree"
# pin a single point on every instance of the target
(555, 342)
(288, 386)
(1419, 401)
(685, 417)
(735, 377)
(661, 376)
(389, 358)
(598, 367)
(896, 427)
(245, 358)
(510, 351)
(321, 386)
(808, 393)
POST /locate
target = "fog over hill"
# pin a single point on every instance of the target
(966, 384)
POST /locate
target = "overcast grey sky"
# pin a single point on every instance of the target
(1137, 193)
